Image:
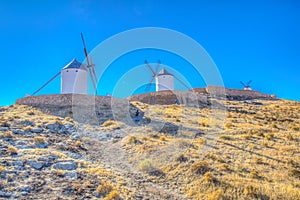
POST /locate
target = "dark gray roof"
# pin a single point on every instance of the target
(164, 72)
(75, 64)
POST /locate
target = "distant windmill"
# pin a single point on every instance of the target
(90, 66)
(163, 80)
(247, 85)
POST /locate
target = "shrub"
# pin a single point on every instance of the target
(111, 124)
(216, 195)
(39, 140)
(27, 128)
(269, 136)
(78, 144)
(162, 138)
(200, 167)
(113, 195)
(4, 123)
(146, 166)
(2, 168)
(12, 150)
(6, 135)
(104, 188)
(208, 177)
(228, 125)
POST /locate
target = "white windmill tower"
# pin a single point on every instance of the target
(163, 80)
(74, 78)
(246, 86)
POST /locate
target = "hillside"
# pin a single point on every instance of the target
(237, 150)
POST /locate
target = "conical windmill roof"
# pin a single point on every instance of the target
(74, 64)
(164, 72)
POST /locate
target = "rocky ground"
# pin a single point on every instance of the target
(240, 150)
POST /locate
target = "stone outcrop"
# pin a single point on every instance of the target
(168, 97)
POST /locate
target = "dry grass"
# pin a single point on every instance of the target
(39, 140)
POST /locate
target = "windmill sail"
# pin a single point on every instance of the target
(90, 66)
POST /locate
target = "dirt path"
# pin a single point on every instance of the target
(112, 156)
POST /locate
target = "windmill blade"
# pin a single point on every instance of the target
(146, 62)
(85, 51)
(243, 83)
(93, 81)
(149, 84)
(182, 83)
(46, 84)
(93, 69)
(156, 68)
(90, 66)
(249, 82)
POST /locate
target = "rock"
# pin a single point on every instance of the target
(5, 194)
(17, 131)
(47, 161)
(73, 155)
(75, 135)
(17, 163)
(36, 165)
(21, 143)
(53, 127)
(53, 157)
(4, 128)
(26, 188)
(28, 123)
(71, 175)
(67, 128)
(69, 165)
(41, 145)
(37, 130)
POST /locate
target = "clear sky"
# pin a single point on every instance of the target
(257, 40)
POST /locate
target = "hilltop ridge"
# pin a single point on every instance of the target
(174, 152)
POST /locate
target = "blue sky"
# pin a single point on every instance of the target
(257, 40)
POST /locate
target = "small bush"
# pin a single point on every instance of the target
(208, 177)
(31, 112)
(6, 135)
(39, 140)
(216, 195)
(200, 167)
(104, 188)
(146, 166)
(4, 123)
(113, 195)
(27, 128)
(2, 168)
(228, 125)
(78, 144)
(12, 150)
(111, 124)
(162, 138)
(269, 136)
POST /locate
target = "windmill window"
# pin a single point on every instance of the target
(67, 70)
(76, 70)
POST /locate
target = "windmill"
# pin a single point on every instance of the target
(90, 66)
(74, 76)
(163, 79)
(247, 85)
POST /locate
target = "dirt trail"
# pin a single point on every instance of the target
(112, 156)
